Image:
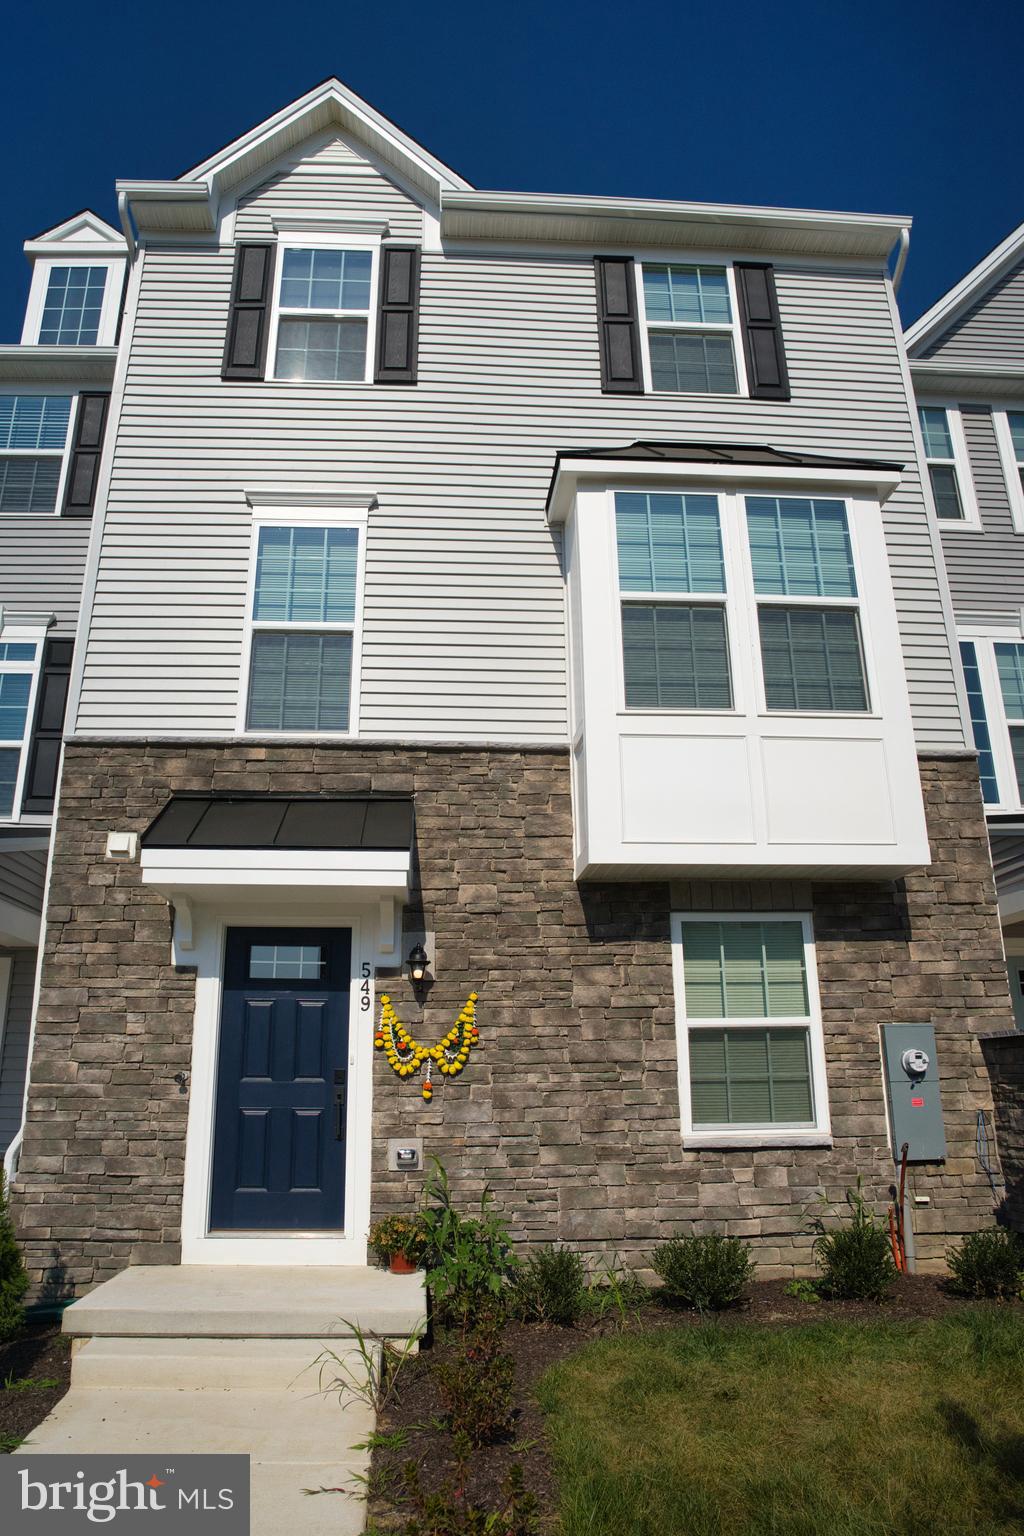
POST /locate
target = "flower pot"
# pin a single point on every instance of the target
(401, 1264)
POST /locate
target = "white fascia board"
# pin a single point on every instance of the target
(327, 104)
(945, 310)
(56, 365)
(18, 926)
(880, 483)
(965, 380)
(465, 214)
(205, 871)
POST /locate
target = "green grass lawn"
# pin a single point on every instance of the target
(828, 1429)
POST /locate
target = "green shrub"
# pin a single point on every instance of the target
(802, 1290)
(988, 1263)
(708, 1272)
(13, 1277)
(855, 1258)
(551, 1287)
(476, 1383)
(469, 1259)
(399, 1234)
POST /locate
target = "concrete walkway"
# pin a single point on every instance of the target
(180, 1360)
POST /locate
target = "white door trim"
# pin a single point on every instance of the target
(209, 930)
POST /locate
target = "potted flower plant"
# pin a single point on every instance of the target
(400, 1240)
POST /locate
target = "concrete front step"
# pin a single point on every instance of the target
(248, 1302)
(217, 1365)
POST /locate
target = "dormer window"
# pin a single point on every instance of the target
(73, 307)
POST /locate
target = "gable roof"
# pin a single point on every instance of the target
(330, 104)
(84, 231)
(967, 291)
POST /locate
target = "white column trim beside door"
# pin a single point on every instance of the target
(348, 1247)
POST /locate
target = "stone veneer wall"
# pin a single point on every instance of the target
(570, 1108)
(1004, 1056)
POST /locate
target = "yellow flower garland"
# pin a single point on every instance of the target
(406, 1055)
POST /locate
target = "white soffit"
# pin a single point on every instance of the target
(596, 221)
(968, 381)
(57, 365)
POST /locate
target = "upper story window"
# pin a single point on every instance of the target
(979, 722)
(994, 674)
(691, 339)
(945, 451)
(324, 314)
(1009, 430)
(18, 665)
(33, 441)
(675, 601)
(73, 306)
(1010, 666)
(302, 641)
(1015, 421)
(675, 650)
(807, 610)
(751, 1052)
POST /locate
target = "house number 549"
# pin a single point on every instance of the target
(364, 989)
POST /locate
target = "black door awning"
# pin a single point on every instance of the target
(368, 822)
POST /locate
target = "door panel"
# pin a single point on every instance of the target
(279, 1147)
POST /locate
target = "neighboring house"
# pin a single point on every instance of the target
(545, 584)
(967, 363)
(54, 393)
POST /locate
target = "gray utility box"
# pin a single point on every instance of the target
(912, 1089)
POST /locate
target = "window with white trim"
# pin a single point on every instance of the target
(1015, 422)
(1009, 658)
(946, 456)
(675, 648)
(324, 313)
(73, 306)
(1009, 430)
(303, 628)
(18, 666)
(678, 617)
(750, 1040)
(34, 431)
(979, 722)
(691, 329)
(808, 618)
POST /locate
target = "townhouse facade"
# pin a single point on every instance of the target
(54, 396)
(528, 610)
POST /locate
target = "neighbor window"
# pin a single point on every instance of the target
(1010, 666)
(17, 675)
(812, 654)
(323, 314)
(303, 621)
(73, 306)
(675, 649)
(33, 439)
(979, 722)
(1009, 430)
(945, 469)
(753, 1057)
(690, 332)
(1015, 421)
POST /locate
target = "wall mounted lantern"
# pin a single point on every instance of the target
(418, 962)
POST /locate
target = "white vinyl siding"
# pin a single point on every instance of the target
(464, 629)
(990, 332)
(751, 1048)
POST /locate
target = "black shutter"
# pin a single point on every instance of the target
(84, 469)
(617, 325)
(245, 350)
(767, 378)
(44, 753)
(398, 316)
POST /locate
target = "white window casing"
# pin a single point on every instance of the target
(30, 668)
(732, 328)
(985, 639)
(42, 269)
(290, 515)
(1011, 459)
(766, 1134)
(60, 455)
(959, 462)
(312, 240)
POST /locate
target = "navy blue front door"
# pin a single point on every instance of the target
(279, 1135)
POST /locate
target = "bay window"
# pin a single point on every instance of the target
(751, 1054)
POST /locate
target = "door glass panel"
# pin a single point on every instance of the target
(285, 962)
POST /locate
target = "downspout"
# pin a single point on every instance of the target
(901, 259)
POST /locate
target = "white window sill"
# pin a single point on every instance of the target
(696, 394)
(724, 1140)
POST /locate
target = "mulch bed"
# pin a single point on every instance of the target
(39, 1353)
(417, 1407)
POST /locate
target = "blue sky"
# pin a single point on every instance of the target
(908, 107)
